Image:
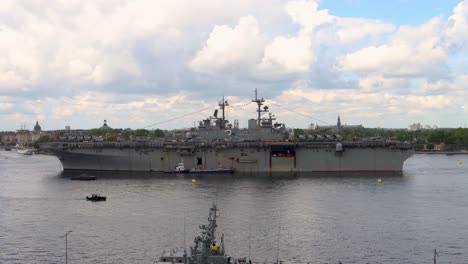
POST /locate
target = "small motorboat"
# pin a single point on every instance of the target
(179, 168)
(96, 198)
(83, 177)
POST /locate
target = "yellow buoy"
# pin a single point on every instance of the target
(379, 180)
(194, 181)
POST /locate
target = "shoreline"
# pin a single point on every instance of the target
(443, 152)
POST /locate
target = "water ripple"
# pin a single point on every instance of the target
(320, 218)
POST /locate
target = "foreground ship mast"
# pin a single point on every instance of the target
(205, 249)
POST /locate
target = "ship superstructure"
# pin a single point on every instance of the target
(205, 250)
(259, 129)
(217, 144)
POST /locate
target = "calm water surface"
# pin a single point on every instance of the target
(317, 218)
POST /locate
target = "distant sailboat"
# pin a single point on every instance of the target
(25, 151)
(23, 147)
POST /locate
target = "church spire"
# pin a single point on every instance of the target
(338, 123)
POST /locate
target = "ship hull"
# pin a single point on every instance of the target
(240, 157)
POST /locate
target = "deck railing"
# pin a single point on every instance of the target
(224, 145)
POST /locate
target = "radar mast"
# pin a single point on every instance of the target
(222, 106)
(259, 103)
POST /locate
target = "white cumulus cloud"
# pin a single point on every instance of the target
(297, 54)
(230, 48)
(307, 14)
(355, 29)
(288, 55)
(410, 51)
(457, 30)
(379, 82)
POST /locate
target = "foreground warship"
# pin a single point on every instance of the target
(217, 145)
(205, 249)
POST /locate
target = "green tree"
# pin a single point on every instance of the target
(450, 138)
(158, 133)
(111, 137)
(436, 136)
(41, 140)
(96, 132)
(141, 133)
(418, 147)
(402, 135)
(430, 146)
(126, 134)
(299, 131)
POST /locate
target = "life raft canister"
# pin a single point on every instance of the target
(214, 246)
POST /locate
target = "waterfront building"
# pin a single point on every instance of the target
(338, 127)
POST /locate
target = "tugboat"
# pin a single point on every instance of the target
(96, 198)
(179, 168)
(205, 249)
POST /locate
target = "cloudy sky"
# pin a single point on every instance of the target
(139, 63)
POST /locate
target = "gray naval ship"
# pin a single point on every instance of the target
(216, 145)
(205, 249)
